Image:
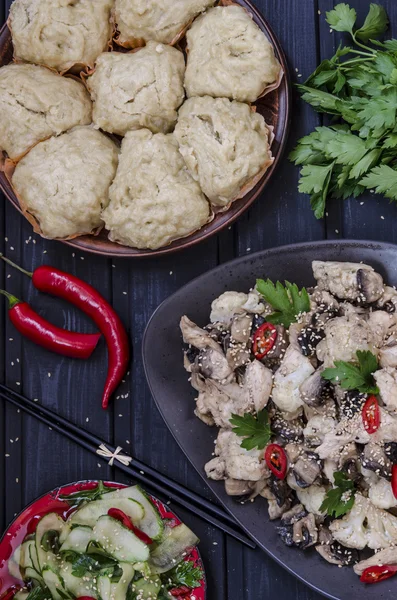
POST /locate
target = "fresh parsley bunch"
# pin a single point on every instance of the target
(358, 88)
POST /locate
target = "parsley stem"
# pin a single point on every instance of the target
(362, 45)
(370, 54)
(354, 60)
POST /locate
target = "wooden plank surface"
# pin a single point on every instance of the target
(40, 459)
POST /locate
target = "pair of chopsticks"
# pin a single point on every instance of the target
(135, 469)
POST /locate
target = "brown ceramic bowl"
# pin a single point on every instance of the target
(275, 108)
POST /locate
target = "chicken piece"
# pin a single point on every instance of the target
(294, 370)
(388, 352)
(343, 337)
(312, 498)
(214, 365)
(329, 468)
(316, 429)
(312, 389)
(216, 469)
(197, 337)
(381, 324)
(240, 463)
(381, 494)
(240, 330)
(323, 300)
(387, 556)
(388, 300)
(349, 281)
(365, 525)
(226, 306)
(213, 403)
(258, 384)
(237, 355)
(386, 380)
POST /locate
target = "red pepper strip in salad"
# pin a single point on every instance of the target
(36, 329)
(263, 340)
(276, 460)
(10, 593)
(394, 480)
(118, 514)
(378, 573)
(180, 591)
(85, 598)
(68, 287)
(371, 415)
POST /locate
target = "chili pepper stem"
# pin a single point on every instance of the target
(12, 264)
(13, 300)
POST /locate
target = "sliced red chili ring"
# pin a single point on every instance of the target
(394, 480)
(180, 591)
(263, 340)
(118, 514)
(371, 415)
(378, 573)
(10, 593)
(276, 460)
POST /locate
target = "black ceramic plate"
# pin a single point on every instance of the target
(168, 381)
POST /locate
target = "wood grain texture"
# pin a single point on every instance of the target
(41, 459)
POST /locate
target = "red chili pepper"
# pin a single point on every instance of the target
(378, 573)
(180, 591)
(276, 460)
(85, 598)
(371, 415)
(10, 593)
(86, 298)
(36, 329)
(118, 514)
(263, 340)
(394, 480)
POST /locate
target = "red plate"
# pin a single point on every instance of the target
(27, 520)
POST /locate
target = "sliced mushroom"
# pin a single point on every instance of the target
(349, 462)
(306, 469)
(308, 339)
(350, 403)
(370, 285)
(313, 388)
(280, 490)
(213, 365)
(197, 337)
(316, 429)
(285, 529)
(237, 354)
(216, 469)
(350, 281)
(304, 532)
(280, 346)
(240, 330)
(291, 431)
(275, 511)
(293, 451)
(336, 554)
(390, 449)
(258, 383)
(375, 459)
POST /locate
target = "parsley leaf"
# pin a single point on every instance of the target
(186, 574)
(39, 593)
(95, 563)
(383, 179)
(355, 377)
(289, 302)
(340, 499)
(342, 18)
(375, 24)
(255, 429)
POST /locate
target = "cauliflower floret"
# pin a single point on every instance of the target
(365, 525)
(234, 461)
(381, 494)
(254, 303)
(312, 498)
(386, 380)
(226, 306)
(294, 370)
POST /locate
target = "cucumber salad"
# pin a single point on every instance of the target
(302, 384)
(113, 544)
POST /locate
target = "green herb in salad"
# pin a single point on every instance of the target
(352, 376)
(340, 499)
(254, 428)
(186, 573)
(78, 498)
(288, 302)
(39, 593)
(358, 87)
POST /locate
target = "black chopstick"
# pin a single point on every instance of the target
(136, 469)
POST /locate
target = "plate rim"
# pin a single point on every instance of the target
(105, 481)
(373, 244)
(83, 243)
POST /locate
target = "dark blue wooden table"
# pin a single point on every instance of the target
(34, 459)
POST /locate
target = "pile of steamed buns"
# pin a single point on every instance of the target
(87, 71)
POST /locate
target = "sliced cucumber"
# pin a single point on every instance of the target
(33, 576)
(143, 568)
(78, 539)
(172, 550)
(146, 589)
(21, 595)
(118, 541)
(151, 522)
(55, 584)
(78, 586)
(13, 569)
(89, 514)
(50, 523)
(116, 591)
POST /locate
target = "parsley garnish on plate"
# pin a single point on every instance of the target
(355, 377)
(358, 87)
(340, 499)
(288, 302)
(187, 574)
(255, 429)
